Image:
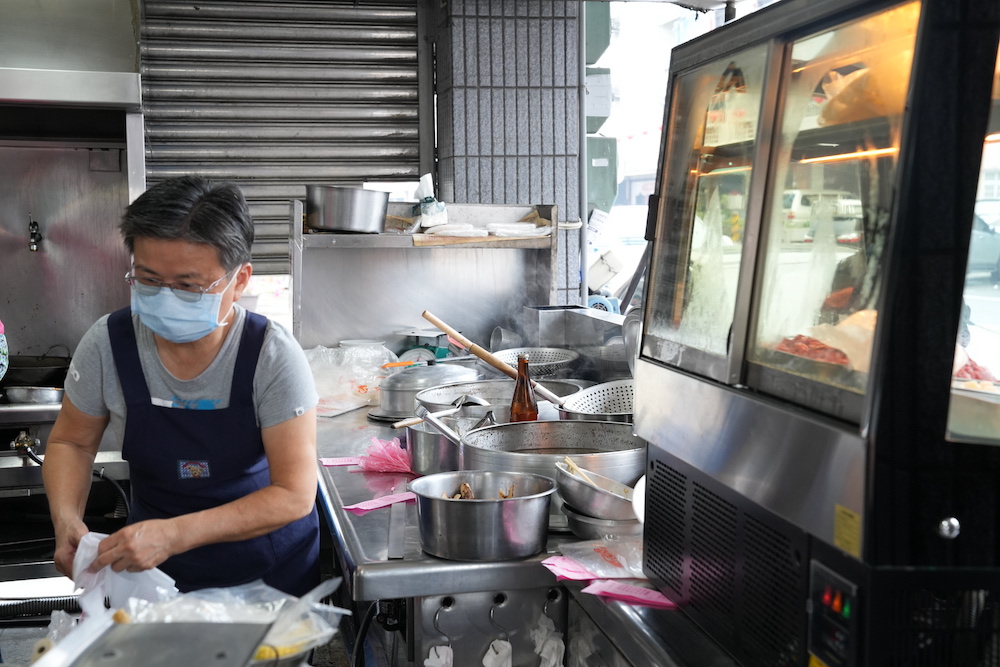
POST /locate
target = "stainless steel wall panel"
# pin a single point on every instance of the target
(275, 95)
(53, 295)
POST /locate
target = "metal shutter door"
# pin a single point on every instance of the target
(276, 95)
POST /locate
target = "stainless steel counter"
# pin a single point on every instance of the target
(362, 540)
(640, 635)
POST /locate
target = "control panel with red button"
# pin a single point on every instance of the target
(833, 618)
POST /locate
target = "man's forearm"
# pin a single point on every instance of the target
(66, 473)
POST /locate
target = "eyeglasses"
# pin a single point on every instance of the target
(183, 291)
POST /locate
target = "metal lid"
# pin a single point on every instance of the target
(423, 377)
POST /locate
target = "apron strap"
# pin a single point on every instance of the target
(126, 355)
(254, 327)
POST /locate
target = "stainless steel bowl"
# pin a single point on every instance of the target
(497, 393)
(22, 395)
(604, 499)
(588, 528)
(488, 528)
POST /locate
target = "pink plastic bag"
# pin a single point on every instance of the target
(385, 456)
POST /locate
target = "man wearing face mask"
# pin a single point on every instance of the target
(214, 407)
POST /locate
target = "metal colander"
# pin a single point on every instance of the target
(542, 361)
(608, 401)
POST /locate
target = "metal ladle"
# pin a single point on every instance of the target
(435, 418)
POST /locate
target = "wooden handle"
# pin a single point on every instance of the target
(412, 421)
(488, 356)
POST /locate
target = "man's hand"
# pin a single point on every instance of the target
(67, 541)
(137, 547)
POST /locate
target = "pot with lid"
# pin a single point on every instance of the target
(398, 391)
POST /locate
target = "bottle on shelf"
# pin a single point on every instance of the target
(523, 407)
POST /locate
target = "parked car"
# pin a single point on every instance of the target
(846, 215)
(989, 211)
(797, 206)
(984, 248)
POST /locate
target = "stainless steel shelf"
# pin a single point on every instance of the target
(39, 413)
(315, 239)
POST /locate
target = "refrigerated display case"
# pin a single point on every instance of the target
(823, 463)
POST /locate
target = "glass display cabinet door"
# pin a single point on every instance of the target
(829, 205)
(713, 120)
(974, 410)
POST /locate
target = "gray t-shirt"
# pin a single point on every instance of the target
(283, 385)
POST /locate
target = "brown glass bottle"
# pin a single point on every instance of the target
(523, 407)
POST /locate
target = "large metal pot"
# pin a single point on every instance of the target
(340, 209)
(397, 393)
(607, 448)
(488, 528)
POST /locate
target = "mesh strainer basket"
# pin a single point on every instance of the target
(608, 401)
(542, 361)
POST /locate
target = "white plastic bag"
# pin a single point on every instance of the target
(153, 585)
(609, 558)
(430, 211)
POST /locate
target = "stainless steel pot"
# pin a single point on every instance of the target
(340, 209)
(488, 528)
(430, 451)
(32, 395)
(398, 391)
(607, 448)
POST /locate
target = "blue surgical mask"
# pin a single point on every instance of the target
(176, 320)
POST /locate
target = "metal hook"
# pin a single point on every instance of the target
(551, 596)
(493, 622)
(438, 627)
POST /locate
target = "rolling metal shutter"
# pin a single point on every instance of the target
(276, 95)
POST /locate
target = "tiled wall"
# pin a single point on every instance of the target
(508, 85)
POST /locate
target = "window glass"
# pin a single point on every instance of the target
(974, 413)
(842, 100)
(714, 117)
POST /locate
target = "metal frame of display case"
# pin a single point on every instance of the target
(761, 485)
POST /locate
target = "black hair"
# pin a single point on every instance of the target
(192, 208)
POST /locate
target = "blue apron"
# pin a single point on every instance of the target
(183, 461)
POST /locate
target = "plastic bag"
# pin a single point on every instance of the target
(854, 336)
(348, 377)
(152, 585)
(431, 212)
(385, 456)
(297, 624)
(609, 558)
(302, 625)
